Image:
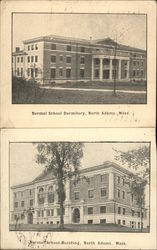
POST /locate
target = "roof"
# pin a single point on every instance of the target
(47, 175)
(20, 52)
(105, 42)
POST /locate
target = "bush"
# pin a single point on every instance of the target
(24, 91)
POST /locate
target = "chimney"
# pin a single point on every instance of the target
(17, 49)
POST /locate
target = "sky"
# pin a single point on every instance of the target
(127, 29)
(23, 167)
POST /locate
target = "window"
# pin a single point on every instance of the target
(138, 214)
(96, 75)
(36, 46)
(68, 48)
(142, 215)
(18, 73)
(16, 204)
(60, 71)
(38, 213)
(103, 192)
(119, 222)
(21, 71)
(123, 222)
(53, 73)
(82, 49)
(41, 197)
(28, 47)
(90, 210)
(138, 225)
(22, 203)
(103, 209)
(68, 59)
(32, 47)
(52, 212)
(76, 194)
(21, 194)
(82, 60)
(119, 210)
(15, 216)
(123, 182)
(22, 59)
(53, 59)
(14, 195)
(36, 58)
(42, 213)
(138, 63)
(48, 212)
(103, 178)
(28, 58)
(31, 203)
(123, 211)
(141, 63)
(81, 73)
(118, 179)
(90, 221)
(91, 193)
(91, 180)
(68, 73)
(53, 46)
(138, 72)
(118, 193)
(32, 58)
(134, 73)
(30, 192)
(61, 58)
(132, 212)
(18, 59)
(134, 63)
(125, 73)
(123, 194)
(141, 73)
(102, 221)
(28, 71)
(97, 61)
(36, 72)
(47, 222)
(50, 197)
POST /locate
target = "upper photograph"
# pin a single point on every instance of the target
(79, 58)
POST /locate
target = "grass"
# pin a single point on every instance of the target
(27, 92)
(75, 228)
(137, 86)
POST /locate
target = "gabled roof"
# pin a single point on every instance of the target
(47, 175)
(105, 41)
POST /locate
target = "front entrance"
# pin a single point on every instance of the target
(106, 73)
(30, 218)
(76, 215)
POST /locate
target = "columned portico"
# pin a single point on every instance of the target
(107, 68)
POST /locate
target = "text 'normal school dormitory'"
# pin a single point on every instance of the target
(104, 198)
(57, 59)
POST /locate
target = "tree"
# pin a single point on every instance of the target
(138, 159)
(64, 160)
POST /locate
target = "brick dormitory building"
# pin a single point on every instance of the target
(104, 198)
(57, 59)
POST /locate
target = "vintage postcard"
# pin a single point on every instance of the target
(78, 189)
(72, 65)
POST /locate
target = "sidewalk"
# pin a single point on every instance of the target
(93, 90)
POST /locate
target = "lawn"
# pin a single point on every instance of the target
(25, 92)
(137, 86)
(75, 228)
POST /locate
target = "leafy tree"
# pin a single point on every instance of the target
(137, 159)
(64, 160)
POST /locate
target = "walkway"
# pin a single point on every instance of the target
(95, 90)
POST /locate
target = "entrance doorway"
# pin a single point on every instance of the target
(105, 74)
(76, 215)
(30, 218)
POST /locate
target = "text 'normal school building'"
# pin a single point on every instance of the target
(104, 198)
(51, 59)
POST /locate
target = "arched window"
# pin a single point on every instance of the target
(41, 197)
(50, 195)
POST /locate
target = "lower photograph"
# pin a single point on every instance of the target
(80, 186)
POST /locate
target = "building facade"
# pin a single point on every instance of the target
(102, 197)
(56, 59)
